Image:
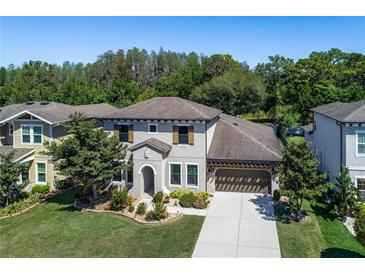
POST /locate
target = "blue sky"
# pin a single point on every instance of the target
(250, 39)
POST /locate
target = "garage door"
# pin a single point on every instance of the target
(243, 180)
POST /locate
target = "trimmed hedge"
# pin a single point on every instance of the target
(188, 199)
(42, 189)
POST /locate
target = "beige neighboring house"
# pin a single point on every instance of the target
(25, 127)
(175, 143)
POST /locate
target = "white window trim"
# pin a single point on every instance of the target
(356, 178)
(175, 163)
(359, 155)
(36, 172)
(31, 134)
(186, 175)
(11, 125)
(149, 132)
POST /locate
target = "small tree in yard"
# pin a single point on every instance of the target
(10, 188)
(300, 178)
(88, 155)
(345, 195)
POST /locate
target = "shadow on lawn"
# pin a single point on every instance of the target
(64, 200)
(340, 253)
(324, 211)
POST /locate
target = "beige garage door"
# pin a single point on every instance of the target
(243, 180)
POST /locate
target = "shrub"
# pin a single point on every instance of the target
(276, 195)
(187, 200)
(159, 212)
(119, 199)
(130, 200)
(158, 197)
(166, 200)
(176, 194)
(131, 208)
(42, 189)
(200, 203)
(360, 226)
(20, 205)
(202, 196)
(141, 208)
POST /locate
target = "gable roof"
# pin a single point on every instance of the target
(166, 108)
(237, 139)
(154, 143)
(343, 112)
(53, 112)
(19, 152)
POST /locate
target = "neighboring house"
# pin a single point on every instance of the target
(175, 143)
(338, 135)
(25, 127)
(172, 143)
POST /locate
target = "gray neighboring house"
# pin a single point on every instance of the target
(175, 143)
(338, 135)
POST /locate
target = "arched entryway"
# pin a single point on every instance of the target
(148, 176)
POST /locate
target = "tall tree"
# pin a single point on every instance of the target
(88, 155)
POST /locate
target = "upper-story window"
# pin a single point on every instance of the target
(32, 134)
(152, 128)
(361, 143)
(183, 135)
(11, 129)
(124, 133)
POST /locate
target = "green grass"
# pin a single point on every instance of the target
(55, 229)
(295, 139)
(320, 235)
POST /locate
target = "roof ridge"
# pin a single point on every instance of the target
(356, 110)
(256, 141)
(186, 102)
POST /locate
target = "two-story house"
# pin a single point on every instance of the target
(25, 128)
(338, 135)
(175, 143)
(172, 143)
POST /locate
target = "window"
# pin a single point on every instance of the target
(41, 172)
(25, 173)
(361, 143)
(32, 134)
(123, 133)
(130, 175)
(192, 173)
(11, 129)
(175, 174)
(183, 135)
(361, 188)
(152, 128)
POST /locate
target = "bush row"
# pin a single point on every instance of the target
(13, 208)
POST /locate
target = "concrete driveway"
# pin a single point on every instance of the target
(238, 225)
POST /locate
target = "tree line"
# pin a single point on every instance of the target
(283, 88)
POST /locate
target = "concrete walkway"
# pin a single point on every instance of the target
(238, 225)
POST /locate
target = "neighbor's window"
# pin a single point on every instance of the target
(41, 172)
(11, 129)
(123, 133)
(361, 188)
(183, 135)
(152, 128)
(32, 134)
(175, 174)
(192, 175)
(361, 143)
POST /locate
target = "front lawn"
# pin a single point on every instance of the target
(55, 229)
(320, 235)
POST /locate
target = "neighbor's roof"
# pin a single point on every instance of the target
(237, 139)
(19, 154)
(54, 112)
(166, 108)
(154, 143)
(343, 112)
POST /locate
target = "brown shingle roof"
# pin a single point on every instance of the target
(343, 112)
(240, 140)
(56, 112)
(154, 143)
(168, 108)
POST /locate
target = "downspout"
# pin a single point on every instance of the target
(341, 147)
(206, 155)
